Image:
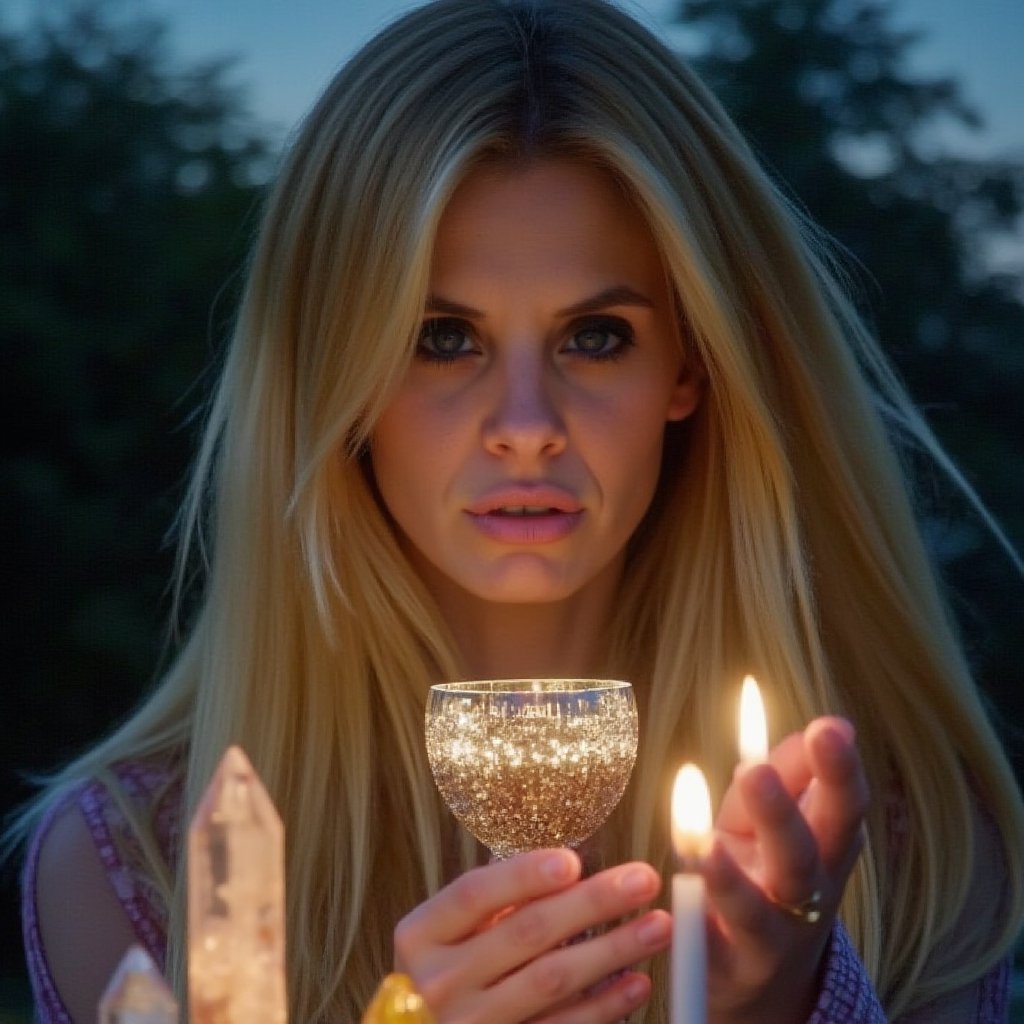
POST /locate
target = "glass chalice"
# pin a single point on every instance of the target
(529, 763)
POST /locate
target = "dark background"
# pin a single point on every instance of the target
(129, 192)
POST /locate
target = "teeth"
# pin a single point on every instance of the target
(525, 510)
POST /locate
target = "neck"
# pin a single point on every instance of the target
(529, 641)
(566, 638)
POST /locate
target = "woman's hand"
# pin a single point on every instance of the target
(788, 835)
(491, 947)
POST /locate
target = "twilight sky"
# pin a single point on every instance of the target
(288, 49)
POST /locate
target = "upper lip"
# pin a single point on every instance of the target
(529, 495)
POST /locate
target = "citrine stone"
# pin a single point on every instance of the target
(397, 1002)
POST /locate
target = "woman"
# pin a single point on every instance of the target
(536, 374)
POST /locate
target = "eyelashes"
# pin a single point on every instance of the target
(445, 340)
(601, 338)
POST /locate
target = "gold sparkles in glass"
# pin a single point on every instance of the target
(530, 763)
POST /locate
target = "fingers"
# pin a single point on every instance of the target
(574, 978)
(747, 918)
(610, 1002)
(820, 769)
(796, 821)
(546, 923)
(789, 759)
(788, 836)
(790, 868)
(474, 898)
(758, 955)
(838, 799)
(741, 906)
(500, 943)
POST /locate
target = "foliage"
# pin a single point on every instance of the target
(125, 202)
(824, 91)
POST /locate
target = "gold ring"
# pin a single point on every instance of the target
(807, 912)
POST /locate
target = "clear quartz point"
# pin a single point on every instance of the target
(137, 993)
(236, 901)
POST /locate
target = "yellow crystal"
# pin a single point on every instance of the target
(397, 1002)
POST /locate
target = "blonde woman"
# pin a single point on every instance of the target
(536, 374)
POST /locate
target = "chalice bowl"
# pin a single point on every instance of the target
(530, 763)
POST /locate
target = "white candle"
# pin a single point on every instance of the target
(753, 724)
(691, 840)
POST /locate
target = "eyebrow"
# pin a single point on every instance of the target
(616, 295)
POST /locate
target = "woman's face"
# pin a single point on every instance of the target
(523, 447)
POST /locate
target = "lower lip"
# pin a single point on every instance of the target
(527, 529)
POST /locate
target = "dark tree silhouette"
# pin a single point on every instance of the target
(823, 90)
(125, 204)
(126, 198)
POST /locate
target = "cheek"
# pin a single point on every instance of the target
(626, 439)
(633, 420)
(422, 420)
(415, 449)
(396, 450)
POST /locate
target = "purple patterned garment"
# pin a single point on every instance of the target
(151, 791)
(847, 996)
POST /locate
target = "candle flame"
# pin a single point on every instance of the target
(691, 815)
(753, 724)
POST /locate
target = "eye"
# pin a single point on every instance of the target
(600, 339)
(444, 339)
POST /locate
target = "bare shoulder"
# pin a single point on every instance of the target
(82, 925)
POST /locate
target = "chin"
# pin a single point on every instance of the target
(523, 588)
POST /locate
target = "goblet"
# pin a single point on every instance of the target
(528, 763)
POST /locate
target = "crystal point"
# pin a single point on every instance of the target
(236, 901)
(397, 1002)
(137, 993)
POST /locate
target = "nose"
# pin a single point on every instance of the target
(524, 420)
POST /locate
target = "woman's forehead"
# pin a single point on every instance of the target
(540, 218)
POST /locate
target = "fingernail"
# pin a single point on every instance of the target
(635, 991)
(654, 931)
(559, 866)
(636, 882)
(844, 727)
(832, 746)
(767, 786)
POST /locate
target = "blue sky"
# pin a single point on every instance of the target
(288, 49)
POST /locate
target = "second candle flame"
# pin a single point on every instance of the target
(753, 724)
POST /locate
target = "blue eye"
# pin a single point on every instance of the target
(600, 339)
(443, 340)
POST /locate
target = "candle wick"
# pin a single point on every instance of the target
(690, 863)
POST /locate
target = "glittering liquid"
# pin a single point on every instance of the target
(533, 762)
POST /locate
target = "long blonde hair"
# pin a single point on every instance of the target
(782, 540)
